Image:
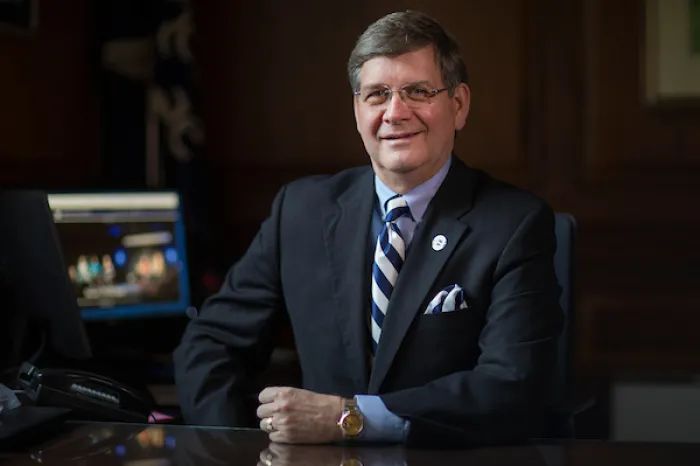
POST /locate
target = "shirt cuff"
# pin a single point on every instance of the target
(380, 424)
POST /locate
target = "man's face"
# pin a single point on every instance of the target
(408, 141)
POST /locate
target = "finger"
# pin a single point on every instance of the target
(271, 394)
(268, 394)
(267, 409)
(268, 424)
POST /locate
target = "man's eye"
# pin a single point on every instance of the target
(376, 96)
(417, 92)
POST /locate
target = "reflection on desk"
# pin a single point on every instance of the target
(107, 444)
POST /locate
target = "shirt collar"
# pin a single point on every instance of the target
(417, 198)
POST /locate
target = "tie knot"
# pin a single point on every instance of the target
(395, 208)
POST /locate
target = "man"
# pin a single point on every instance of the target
(421, 292)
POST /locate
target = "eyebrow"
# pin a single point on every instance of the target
(384, 86)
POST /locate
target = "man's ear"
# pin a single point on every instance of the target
(462, 99)
(354, 110)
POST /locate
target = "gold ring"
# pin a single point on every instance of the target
(268, 424)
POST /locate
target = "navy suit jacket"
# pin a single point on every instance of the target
(475, 376)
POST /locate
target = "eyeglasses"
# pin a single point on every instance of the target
(416, 94)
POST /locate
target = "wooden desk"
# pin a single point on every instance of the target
(106, 444)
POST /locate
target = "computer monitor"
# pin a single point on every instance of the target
(125, 252)
(36, 296)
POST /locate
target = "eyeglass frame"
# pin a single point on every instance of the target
(403, 93)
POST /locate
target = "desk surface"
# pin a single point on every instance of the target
(154, 445)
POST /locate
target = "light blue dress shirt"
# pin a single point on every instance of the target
(380, 424)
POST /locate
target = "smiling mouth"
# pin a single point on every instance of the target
(402, 136)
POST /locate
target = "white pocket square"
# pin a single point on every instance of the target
(450, 299)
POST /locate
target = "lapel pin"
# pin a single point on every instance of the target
(439, 242)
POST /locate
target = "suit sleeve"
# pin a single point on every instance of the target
(232, 338)
(504, 398)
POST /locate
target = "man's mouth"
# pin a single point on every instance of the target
(394, 137)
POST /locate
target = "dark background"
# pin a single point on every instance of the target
(557, 108)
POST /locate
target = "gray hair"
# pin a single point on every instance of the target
(403, 32)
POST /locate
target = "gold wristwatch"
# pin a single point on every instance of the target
(351, 421)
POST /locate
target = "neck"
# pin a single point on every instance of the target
(401, 183)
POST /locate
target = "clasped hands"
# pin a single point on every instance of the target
(294, 415)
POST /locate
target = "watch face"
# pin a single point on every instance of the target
(352, 424)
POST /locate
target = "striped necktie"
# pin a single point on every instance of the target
(389, 256)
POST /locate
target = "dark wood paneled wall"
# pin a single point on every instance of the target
(557, 108)
(49, 126)
(630, 174)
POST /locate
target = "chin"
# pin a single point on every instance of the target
(402, 162)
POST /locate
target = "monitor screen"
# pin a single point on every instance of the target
(125, 252)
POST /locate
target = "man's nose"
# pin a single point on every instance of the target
(396, 109)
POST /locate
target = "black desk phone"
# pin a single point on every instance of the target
(90, 397)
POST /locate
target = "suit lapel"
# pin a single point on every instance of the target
(423, 264)
(347, 224)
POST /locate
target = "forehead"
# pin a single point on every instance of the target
(419, 65)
